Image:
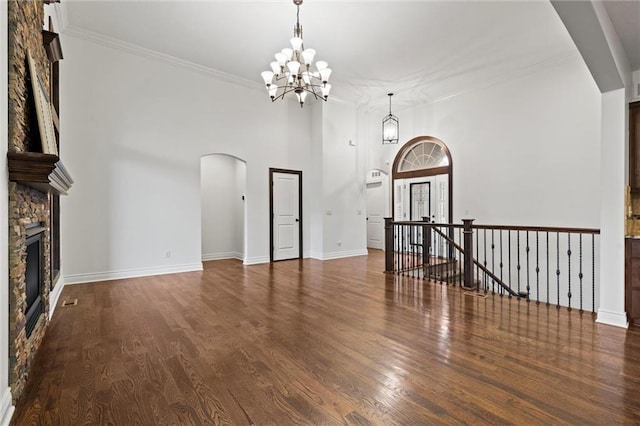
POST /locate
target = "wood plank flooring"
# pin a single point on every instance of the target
(323, 343)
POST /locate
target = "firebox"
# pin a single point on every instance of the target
(34, 276)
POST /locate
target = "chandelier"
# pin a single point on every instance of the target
(293, 70)
(390, 126)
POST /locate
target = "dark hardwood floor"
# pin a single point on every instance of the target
(315, 343)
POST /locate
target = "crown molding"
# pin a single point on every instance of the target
(513, 74)
(376, 107)
(134, 49)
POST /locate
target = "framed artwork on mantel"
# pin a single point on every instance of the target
(43, 111)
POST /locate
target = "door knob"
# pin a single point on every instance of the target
(297, 220)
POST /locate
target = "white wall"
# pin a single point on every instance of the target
(525, 151)
(315, 197)
(6, 408)
(134, 131)
(222, 185)
(344, 189)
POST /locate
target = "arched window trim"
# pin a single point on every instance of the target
(433, 171)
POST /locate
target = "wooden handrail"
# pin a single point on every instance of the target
(540, 229)
(478, 264)
(507, 227)
(446, 237)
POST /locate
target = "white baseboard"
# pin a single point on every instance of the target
(130, 273)
(222, 256)
(315, 255)
(6, 407)
(55, 295)
(617, 319)
(256, 260)
(341, 254)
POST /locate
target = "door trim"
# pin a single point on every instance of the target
(273, 170)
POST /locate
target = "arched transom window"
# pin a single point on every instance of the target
(423, 155)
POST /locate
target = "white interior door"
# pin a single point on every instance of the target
(286, 216)
(376, 201)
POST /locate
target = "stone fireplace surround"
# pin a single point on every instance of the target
(27, 206)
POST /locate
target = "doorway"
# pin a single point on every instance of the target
(422, 174)
(377, 207)
(223, 186)
(285, 213)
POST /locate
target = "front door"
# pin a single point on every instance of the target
(286, 223)
(420, 200)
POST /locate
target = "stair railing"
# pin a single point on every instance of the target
(548, 265)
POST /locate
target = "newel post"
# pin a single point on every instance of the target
(388, 244)
(426, 240)
(468, 253)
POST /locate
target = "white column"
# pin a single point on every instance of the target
(613, 159)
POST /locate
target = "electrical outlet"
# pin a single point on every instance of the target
(167, 254)
(339, 243)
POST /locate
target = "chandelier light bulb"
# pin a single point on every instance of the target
(288, 53)
(296, 43)
(308, 55)
(294, 67)
(320, 65)
(325, 90)
(324, 74)
(267, 76)
(281, 58)
(294, 70)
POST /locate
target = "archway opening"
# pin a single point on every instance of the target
(223, 186)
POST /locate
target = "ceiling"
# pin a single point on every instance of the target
(625, 16)
(424, 51)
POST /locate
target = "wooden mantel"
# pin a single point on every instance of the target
(40, 171)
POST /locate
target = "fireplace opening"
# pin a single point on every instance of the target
(34, 276)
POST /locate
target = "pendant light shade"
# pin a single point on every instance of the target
(390, 126)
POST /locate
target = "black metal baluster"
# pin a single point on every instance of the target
(558, 269)
(580, 273)
(477, 253)
(518, 267)
(412, 242)
(436, 269)
(501, 264)
(403, 248)
(484, 243)
(548, 267)
(509, 234)
(528, 285)
(537, 269)
(593, 273)
(493, 263)
(569, 266)
(460, 258)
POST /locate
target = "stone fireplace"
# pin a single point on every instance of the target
(31, 194)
